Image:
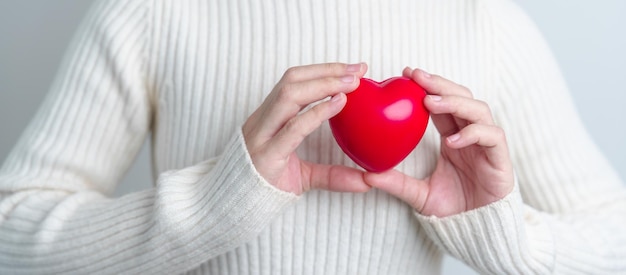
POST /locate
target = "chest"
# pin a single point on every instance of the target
(217, 60)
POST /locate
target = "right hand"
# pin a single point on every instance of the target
(274, 131)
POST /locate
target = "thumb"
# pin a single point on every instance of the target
(334, 178)
(408, 189)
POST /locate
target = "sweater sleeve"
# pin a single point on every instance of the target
(566, 213)
(56, 213)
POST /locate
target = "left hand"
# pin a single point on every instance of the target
(473, 169)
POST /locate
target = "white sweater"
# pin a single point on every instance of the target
(187, 73)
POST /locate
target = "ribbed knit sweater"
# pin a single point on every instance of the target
(186, 75)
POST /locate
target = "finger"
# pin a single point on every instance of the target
(438, 85)
(435, 85)
(314, 71)
(296, 129)
(292, 98)
(445, 124)
(285, 91)
(407, 72)
(306, 92)
(490, 137)
(467, 109)
(334, 178)
(410, 190)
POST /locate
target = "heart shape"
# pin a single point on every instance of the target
(381, 123)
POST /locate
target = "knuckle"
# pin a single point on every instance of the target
(465, 91)
(296, 131)
(500, 133)
(291, 74)
(472, 134)
(484, 110)
(472, 130)
(445, 85)
(285, 93)
(482, 104)
(319, 112)
(296, 127)
(437, 79)
(454, 105)
(437, 84)
(453, 102)
(332, 83)
(334, 67)
(487, 114)
(292, 125)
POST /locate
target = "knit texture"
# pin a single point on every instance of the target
(186, 74)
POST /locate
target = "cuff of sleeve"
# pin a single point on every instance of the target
(499, 238)
(218, 204)
(242, 189)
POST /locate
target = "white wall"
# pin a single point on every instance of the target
(586, 36)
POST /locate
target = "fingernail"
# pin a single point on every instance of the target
(454, 137)
(353, 68)
(347, 78)
(336, 98)
(435, 98)
(425, 74)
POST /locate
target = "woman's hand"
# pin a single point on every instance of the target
(474, 167)
(274, 131)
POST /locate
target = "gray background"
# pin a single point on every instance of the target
(586, 37)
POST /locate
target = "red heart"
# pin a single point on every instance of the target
(381, 122)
